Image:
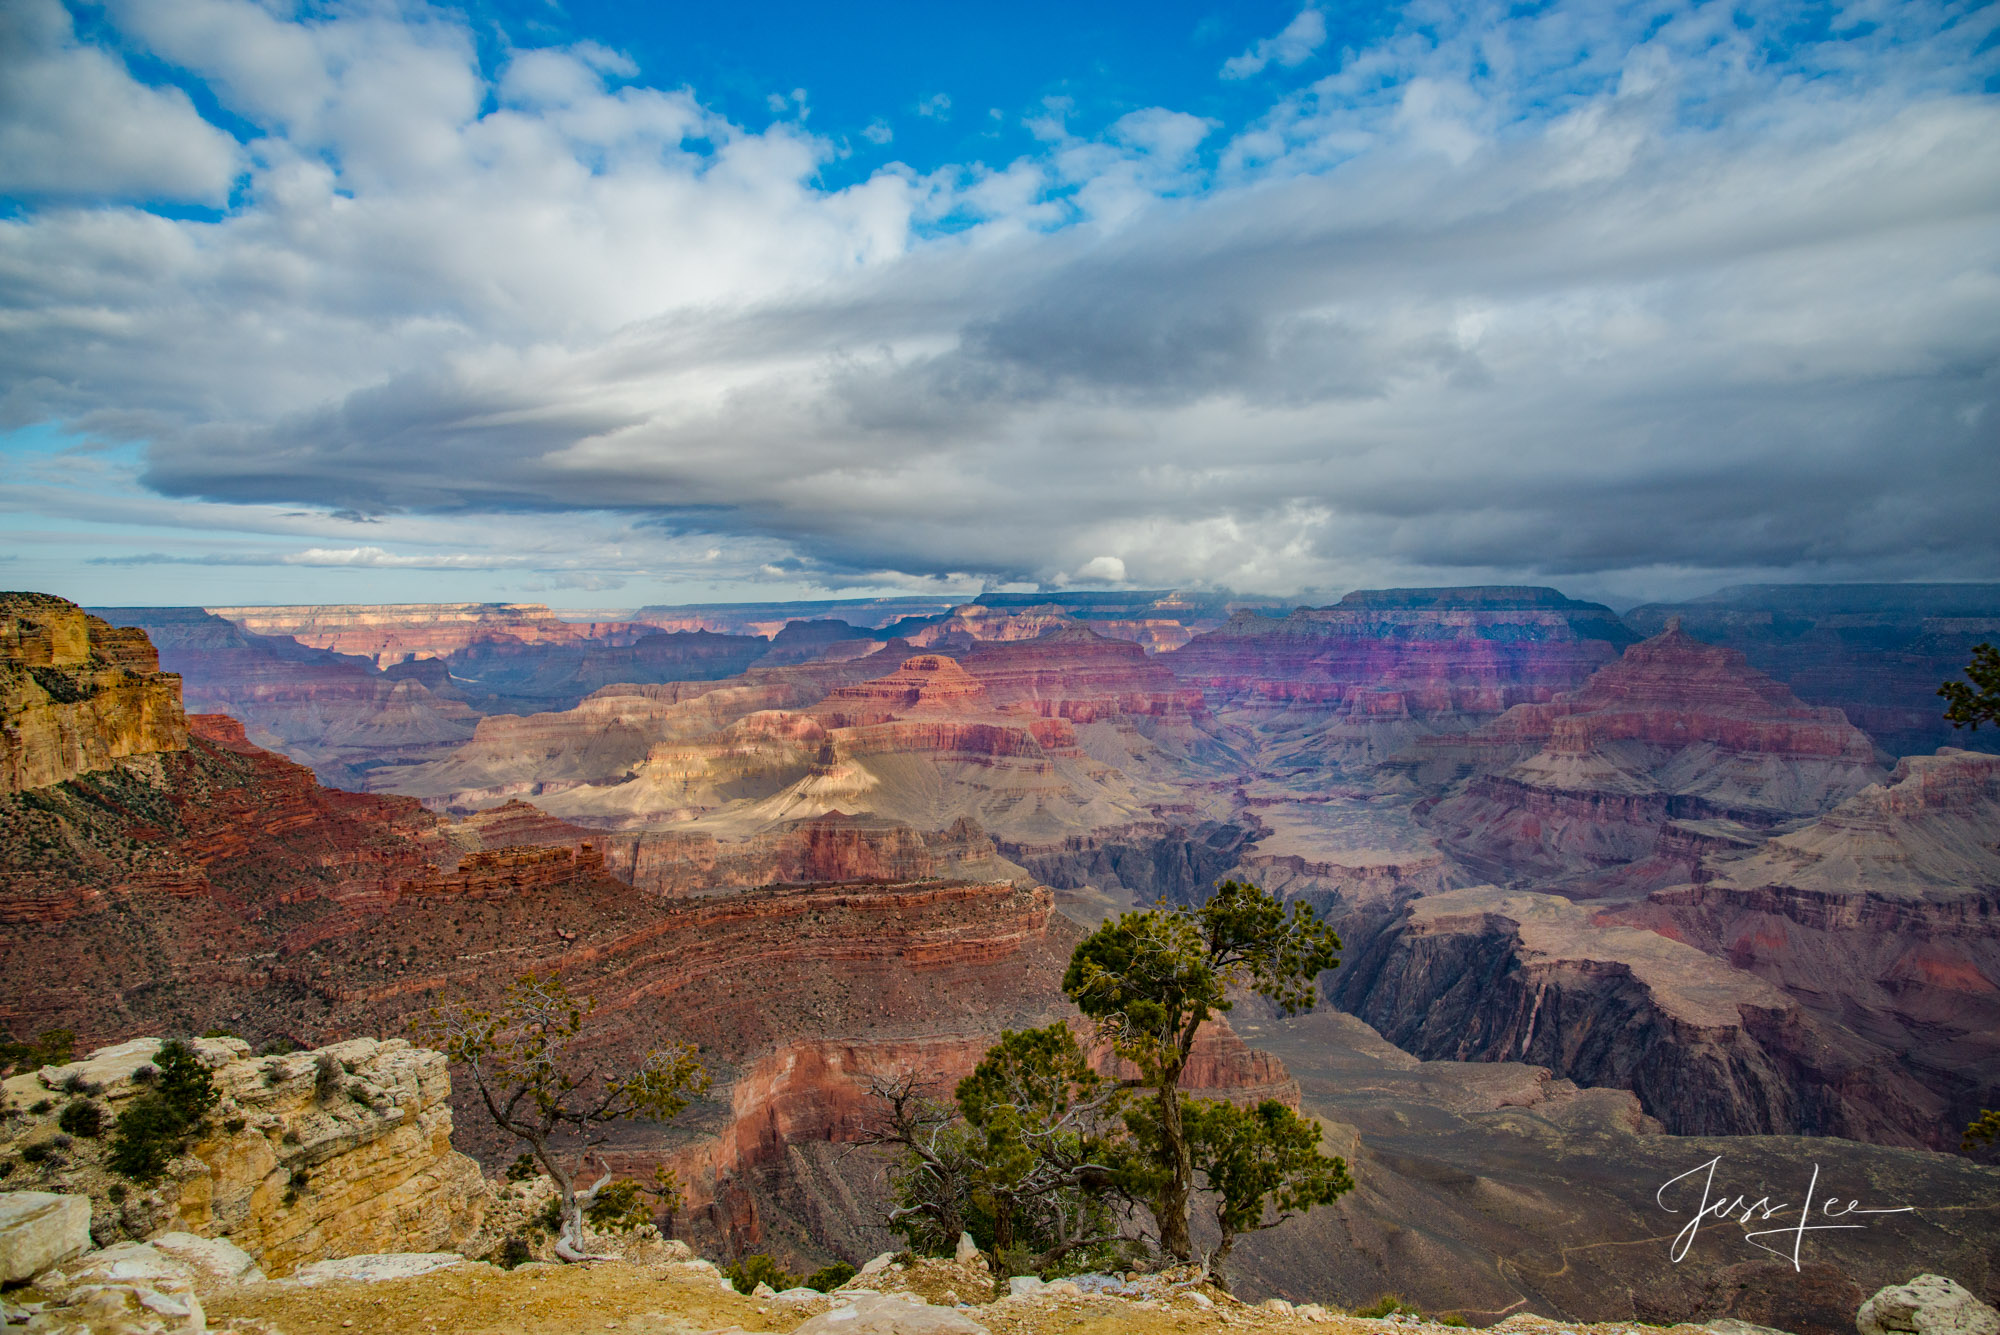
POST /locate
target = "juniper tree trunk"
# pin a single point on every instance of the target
(1172, 1206)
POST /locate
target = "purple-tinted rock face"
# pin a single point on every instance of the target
(1433, 654)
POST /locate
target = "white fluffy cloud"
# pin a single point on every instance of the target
(1577, 295)
(74, 124)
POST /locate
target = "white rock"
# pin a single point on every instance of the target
(217, 1259)
(968, 1250)
(797, 1295)
(1278, 1305)
(879, 1264)
(1927, 1305)
(379, 1266)
(1200, 1299)
(114, 1309)
(1064, 1288)
(889, 1314)
(1023, 1286)
(39, 1229)
(763, 1291)
(128, 1289)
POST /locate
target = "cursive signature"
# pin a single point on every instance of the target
(1746, 1211)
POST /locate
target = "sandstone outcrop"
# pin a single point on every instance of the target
(77, 695)
(315, 1154)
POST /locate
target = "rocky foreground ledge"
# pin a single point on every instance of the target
(181, 1284)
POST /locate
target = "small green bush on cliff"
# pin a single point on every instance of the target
(749, 1271)
(82, 1118)
(160, 1122)
(828, 1278)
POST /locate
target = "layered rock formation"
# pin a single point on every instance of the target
(1483, 974)
(1033, 741)
(1876, 652)
(1882, 917)
(394, 633)
(1674, 729)
(334, 712)
(77, 695)
(306, 1156)
(1437, 651)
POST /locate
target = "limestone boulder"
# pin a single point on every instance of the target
(40, 1229)
(126, 1289)
(213, 1260)
(1927, 1305)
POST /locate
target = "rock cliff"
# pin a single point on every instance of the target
(335, 1152)
(77, 695)
(1438, 656)
(1876, 652)
(1483, 974)
(335, 712)
(1882, 917)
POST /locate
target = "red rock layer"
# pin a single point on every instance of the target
(829, 848)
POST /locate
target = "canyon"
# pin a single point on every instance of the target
(1598, 883)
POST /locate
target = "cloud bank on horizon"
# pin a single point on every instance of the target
(1637, 297)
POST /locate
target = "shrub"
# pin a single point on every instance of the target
(515, 1251)
(300, 1180)
(329, 1077)
(828, 1278)
(1387, 1305)
(116, 1191)
(39, 1152)
(74, 1083)
(145, 1075)
(523, 1169)
(41, 1107)
(160, 1122)
(750, 1271)
(234, 1124)
(82, 1118)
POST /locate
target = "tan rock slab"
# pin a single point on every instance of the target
(40, 1229)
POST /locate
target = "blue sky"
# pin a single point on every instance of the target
(606, 304)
